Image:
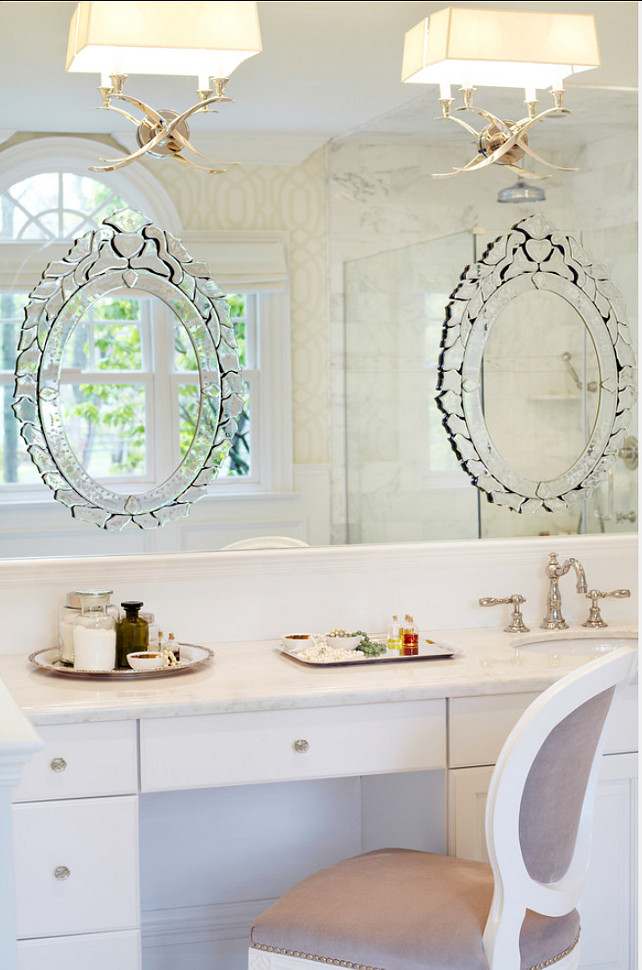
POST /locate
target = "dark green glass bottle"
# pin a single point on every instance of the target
(132, 633)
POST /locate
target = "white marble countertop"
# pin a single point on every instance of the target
(254, 676)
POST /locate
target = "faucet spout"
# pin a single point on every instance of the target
(579, 572)
(554, 619)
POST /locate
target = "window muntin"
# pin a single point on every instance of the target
(157, 377)
(129, 392)
(15, 463)
(55, 205)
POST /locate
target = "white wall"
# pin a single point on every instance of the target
(232, 596)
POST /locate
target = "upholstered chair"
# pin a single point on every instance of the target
(397, 909)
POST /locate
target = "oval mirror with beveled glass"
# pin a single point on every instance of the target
(521, 327)
(536, 367)
(84, 394)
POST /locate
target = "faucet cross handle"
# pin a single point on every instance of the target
(595, 619)
(516, 624)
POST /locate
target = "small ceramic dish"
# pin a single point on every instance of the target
(294, 641)
(343, 643)
(146, 660)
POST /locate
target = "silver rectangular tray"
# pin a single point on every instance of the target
(429, 650)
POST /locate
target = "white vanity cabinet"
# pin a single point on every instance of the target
(75, 822)
(291, 745)
(477, 729)
(349, 751)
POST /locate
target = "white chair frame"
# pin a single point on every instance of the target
(515, 891)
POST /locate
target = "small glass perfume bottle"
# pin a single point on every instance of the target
(173, 647)
(394, 635)
(410, 638)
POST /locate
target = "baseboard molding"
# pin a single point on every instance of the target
(182, 926)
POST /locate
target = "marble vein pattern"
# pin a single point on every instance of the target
(256, 676)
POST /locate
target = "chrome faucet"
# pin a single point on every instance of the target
(554, 619)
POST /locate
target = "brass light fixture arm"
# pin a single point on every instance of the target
(538, 158)
(201, 168)
(514, 138)
(161, 130)
(490, 118)
(469, 128)
(113, 163)
(185, 144)
(121, 111)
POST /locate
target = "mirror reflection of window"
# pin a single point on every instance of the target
(55, 205)
(15, 463)
(129, 381)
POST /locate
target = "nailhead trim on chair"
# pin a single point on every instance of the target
(361, 966)
(560, 956)
(311, 956)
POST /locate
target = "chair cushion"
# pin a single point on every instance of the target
(398, 909)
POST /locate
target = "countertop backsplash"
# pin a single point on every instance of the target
(243, 595)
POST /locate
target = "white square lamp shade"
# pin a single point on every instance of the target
(499, 48)
(202, 39)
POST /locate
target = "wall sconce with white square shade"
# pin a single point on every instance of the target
(499, 48)
(208, 40)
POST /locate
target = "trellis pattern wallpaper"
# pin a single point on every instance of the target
(278, 198)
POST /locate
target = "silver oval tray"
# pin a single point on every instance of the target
(49, 660)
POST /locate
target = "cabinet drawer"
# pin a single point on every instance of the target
(79, 760)
(95, 844)
(99, 951)
(235, 749)
(622, 732)
(478, 726)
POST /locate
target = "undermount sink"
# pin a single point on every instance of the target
(589, 645)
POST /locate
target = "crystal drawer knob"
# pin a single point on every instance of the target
(61, 873)
(58, 764)
(301, 746)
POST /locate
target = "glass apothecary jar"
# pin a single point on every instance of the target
(66, 617)
(94, 632)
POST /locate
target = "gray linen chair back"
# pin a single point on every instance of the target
(554, 792)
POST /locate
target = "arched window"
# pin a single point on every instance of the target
(55, 206)
(129, 377)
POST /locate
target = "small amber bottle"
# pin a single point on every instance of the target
(410, 638)
(132, 633)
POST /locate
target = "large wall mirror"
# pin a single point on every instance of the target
(376, 247)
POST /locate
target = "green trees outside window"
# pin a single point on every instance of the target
(129, 380)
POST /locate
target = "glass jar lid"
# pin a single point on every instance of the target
(93, 597)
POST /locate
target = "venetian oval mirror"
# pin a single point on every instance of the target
(535, 341)
(132, 263)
